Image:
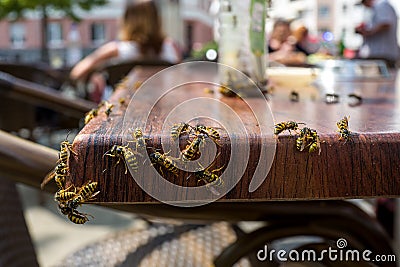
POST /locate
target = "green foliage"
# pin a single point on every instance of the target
(200, 54)
(15, 9)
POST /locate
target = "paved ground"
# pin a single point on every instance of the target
(55, 237)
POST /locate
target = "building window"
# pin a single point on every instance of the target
(324, 12)
(17, 35)
(98, 33)
(54, 34)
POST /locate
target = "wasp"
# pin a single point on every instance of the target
(64, 195)
(287, 125)
(308, 138)
(86, 193)
(164, 161)
(315, 142)
(301, 141)
(139, 139)
(77, 217)
(178, 129)
(124, 153)
(65, 151)
(109, 108)
(122, 101)
(343, 126)
(137, 84)
(59, 173)
(209, 131)
(315, 145)
(91, 114)
(193, 149)
(210, 178)
(73, 215)
(69, 202)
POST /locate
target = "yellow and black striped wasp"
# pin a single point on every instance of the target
(77, 217)
(164, 161)
(59, 174)
(139, 139)
(64, 195)
(315, 142)
(304, 136)
(61, 171)
(72, 214)
(193, 149)
(122, 101)
(126, 154)
(179, 129)
(91, 115)
(343, 126)
(69, 201)
(209, 178)
(85, 193)
(109, 108)
(308, 138)
(286, 125)
(65, 151)
(209, 131)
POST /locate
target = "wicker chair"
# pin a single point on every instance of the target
(16, 248)
(115, 71)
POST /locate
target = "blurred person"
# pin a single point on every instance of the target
(140, 36)
(303, 43)
(380, 42)
(282, 45)
(380, 34)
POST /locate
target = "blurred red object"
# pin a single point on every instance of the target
(349, 53)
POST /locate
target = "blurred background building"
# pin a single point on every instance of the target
(189, 22)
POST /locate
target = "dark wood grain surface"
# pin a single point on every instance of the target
(367, 166)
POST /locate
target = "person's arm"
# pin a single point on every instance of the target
(99, 56)
(170, 51)
(384, 17)
(378, 28)
(287, 55)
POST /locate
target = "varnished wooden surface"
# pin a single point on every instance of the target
(367, 166)
(26, 162)
(41, 95)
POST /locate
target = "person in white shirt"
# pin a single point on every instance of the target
(140, 37)
(380, 34)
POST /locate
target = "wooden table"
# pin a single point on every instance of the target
(365, 167)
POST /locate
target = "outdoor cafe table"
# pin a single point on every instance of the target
(367, 166)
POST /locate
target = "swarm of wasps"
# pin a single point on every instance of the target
(167, 163)
(70, 198)
(309, 138)
(192, 151)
